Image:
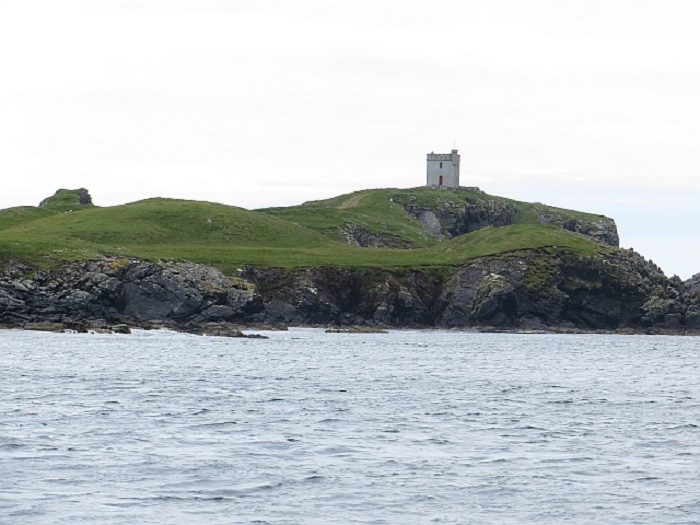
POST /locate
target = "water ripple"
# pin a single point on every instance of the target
(307, 427)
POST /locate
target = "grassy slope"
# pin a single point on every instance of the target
(21, 214)
(62, 201)
(381, 211)
(371, 209)
(228, 237)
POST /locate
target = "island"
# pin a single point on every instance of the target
(426, 257)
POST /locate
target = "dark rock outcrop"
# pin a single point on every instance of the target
(218, 330)
(449, 217)
(691, 288)
(620, 290)
(692, 285)
(600, 229)
(452, 218)
(532, 290)
(542, 289)
(344, 296)
(124, 291)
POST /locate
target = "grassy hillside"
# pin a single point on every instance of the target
(382, 211)
(13, 216)
(154, 228)
(59, 202)
(229, 237)
(372, 210)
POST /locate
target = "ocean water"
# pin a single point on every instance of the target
(312, 428)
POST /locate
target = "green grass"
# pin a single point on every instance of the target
(382, 211)
(491, 241)
(228, 237)
(372, 210)
(514, 238)
(13, 216)
(63, 201)
(156, 227)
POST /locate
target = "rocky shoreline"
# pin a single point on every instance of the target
(239, 331)
(544, 290)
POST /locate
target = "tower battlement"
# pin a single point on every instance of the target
(443, 169)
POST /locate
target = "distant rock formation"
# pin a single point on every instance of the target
(67, 198)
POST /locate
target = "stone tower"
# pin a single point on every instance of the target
(443, 169)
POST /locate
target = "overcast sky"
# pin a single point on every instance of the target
(584, 104)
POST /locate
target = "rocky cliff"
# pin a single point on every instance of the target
(124, 291)
(530, 290)
(453, 215)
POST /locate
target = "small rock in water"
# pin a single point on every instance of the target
(357, 330)
(219, 330)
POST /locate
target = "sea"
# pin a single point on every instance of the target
(308, 427)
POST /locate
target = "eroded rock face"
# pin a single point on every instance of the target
(452, 218)
(601, 229)
(615, 291)
(486, 292)
(124, 291)
(358, 236)
(430, 222)
(345, 296)
(460, 217)
(450, 215)
(691, 288)
(536, 289)
(692, 285)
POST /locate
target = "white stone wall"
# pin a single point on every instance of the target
(443, 169)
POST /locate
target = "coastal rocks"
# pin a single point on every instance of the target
(691, 289)
(483, 293)
(80, 328)
(218, 330)
(126, 291)
(533, 290)
(692, 285)
(344, 296)
(357, 330)
(602, 292)
(183, 292)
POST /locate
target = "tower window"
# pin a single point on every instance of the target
(441, 165)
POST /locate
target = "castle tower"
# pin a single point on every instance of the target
(443, 169)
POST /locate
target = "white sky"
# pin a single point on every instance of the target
(584, 104)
